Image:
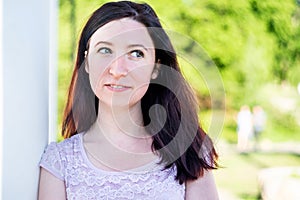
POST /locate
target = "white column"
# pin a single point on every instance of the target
(1, 97)
(27, 30)
(53, 53)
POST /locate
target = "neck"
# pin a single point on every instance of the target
(126, 121)
(119, 132)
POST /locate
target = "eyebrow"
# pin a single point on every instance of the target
(138, 45)
(103, 42)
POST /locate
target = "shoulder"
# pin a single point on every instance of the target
(70, 144)
(66, 146)
(56, 155)
(203, 187)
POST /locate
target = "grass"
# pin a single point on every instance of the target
(239, 172)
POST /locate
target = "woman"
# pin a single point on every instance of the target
(130, 121)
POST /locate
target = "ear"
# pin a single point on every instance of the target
(154, 74)
(86, 64)
(156, 70)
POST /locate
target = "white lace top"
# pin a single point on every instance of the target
(68, 161)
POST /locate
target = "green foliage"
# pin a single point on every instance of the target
(254, 45)
(282, 21)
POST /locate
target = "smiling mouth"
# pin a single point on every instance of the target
(117, 87)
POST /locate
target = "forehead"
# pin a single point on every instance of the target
(125, 30)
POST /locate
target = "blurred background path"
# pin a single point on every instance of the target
(240, 175)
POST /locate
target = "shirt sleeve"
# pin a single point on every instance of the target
(52, 162)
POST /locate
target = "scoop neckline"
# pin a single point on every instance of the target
(136, 170)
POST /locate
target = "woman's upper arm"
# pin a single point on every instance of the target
(50, 187)
(203, 188)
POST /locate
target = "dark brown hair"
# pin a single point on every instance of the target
(180, 141)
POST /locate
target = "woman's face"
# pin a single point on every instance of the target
(120, 62)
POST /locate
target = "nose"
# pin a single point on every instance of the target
(118, 67)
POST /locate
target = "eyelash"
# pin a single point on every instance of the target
(105, 49)
(139, 53)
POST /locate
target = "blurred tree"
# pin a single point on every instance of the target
(282, 21)
(252, 42)
(73, 26)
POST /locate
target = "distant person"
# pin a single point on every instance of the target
(259, 121)
(244, 128)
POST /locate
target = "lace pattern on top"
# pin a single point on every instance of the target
(68, 162)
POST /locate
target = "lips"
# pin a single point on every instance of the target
(116, 87)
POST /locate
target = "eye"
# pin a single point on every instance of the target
(137, 54)
(105, 50)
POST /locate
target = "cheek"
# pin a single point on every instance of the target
(96, 71)
(138, 94)
(142, 80)
(95, 79)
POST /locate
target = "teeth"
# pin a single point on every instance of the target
(116, 86)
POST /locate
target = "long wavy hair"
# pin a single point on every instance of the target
(180, 141)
